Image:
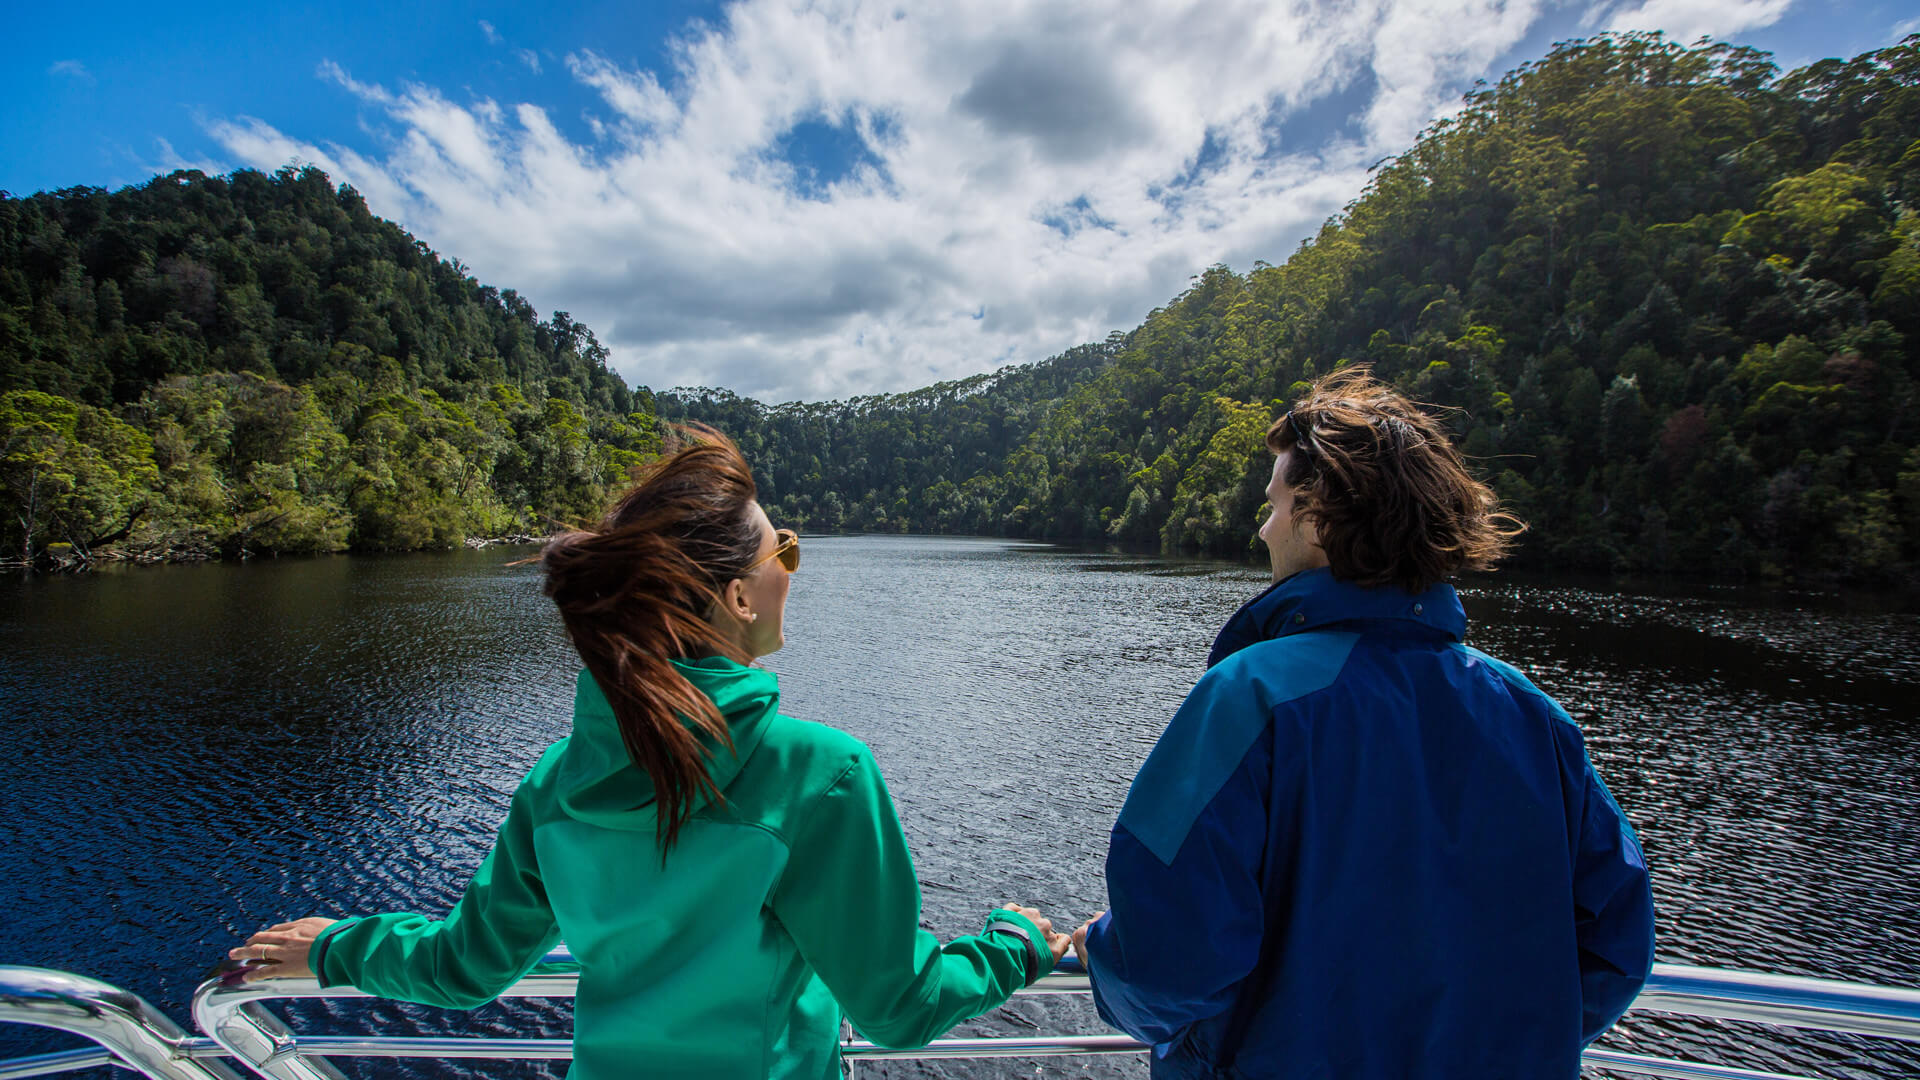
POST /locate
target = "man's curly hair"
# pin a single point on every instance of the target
(1387, 491)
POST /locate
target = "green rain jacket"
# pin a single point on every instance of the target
(792, 900)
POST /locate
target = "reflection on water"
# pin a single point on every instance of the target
(191, 752)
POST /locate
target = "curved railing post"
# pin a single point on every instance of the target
(234, 1015)
(139, 1036)
(230, 1013)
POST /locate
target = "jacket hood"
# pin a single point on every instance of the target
(1315, 599)
(597, 782)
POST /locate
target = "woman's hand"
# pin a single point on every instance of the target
(285, 946)
(1057, 942)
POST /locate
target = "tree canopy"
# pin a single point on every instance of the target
(255, 363)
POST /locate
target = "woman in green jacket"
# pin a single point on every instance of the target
(732, 881)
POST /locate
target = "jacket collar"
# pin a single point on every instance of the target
(1314, 599)
(599, 782)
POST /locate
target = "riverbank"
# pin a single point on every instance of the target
(71, 559)
(477, 543)
(1898, 592)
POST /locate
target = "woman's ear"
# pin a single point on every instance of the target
(733, 600)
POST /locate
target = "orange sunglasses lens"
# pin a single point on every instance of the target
(787, 551)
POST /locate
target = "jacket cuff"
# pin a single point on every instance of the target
(317, 952)
(1035, 947)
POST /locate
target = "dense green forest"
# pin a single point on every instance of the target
(1668, 297)
(893, 462)
(208, 366)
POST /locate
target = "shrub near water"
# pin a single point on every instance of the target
(71, 472)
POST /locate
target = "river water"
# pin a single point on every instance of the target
(188, 753)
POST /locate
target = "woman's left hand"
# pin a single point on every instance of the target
(285, 946)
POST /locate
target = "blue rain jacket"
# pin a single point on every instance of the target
(1363, 849)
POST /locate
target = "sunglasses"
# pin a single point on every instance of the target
(1302, 433)
(787, 551)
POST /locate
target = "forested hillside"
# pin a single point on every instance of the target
(1670, 298)
(921, 461)
(256, 363)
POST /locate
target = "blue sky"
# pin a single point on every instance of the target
(807, 200)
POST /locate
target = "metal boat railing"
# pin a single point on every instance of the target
(236, 1024)
(130, 1032)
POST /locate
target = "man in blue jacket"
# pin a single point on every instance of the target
(1363, 849)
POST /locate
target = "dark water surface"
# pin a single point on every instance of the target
(188, 753)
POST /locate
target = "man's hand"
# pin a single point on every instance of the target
(1057, 942)
(286, 947)
(1080, 940)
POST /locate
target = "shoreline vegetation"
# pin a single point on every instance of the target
(67, 559)
(1667, 296)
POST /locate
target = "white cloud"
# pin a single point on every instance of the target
(1687, 21)
(260, 145)
(1902, 29)
(334, 73)
(493, 36)
(171, 160)
(72, 69)
(1029, 175)
(529, 58)
(1426, 44)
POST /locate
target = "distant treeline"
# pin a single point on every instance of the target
(1668, 297)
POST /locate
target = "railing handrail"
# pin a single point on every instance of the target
(1784, 1000)
(133, 1031)
(236, 1022)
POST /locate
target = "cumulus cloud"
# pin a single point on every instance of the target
(1689, 20)
(529, 58)
(1422, 45)
(821, 199)
(1069, 103)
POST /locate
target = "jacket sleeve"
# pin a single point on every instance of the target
(1182, 932)
(498, 931)
(851, 902)
(1613, 911)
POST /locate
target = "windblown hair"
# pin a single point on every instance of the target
(634, 592)
(1387, 491)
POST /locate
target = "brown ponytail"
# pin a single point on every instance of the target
(634, 592)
